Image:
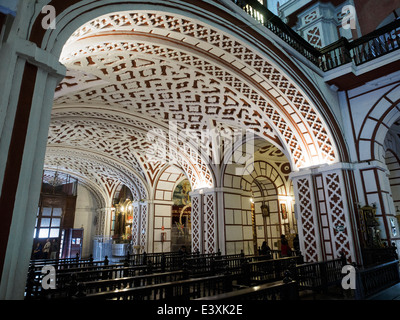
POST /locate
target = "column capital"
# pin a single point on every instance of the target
(33, 54)
(321, 169)
(101, 210)
(217, 190)
(374, 164)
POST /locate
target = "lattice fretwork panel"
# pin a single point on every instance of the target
(275, 82)
(196, 223)
(337, 216)
(210, 223)
(143, 224)
(135, 224)
(308, 222)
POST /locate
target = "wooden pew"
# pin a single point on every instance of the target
(319, 276)
(68, 277)
(278, 290)
(214, 264)
(60, 264)
(262, 271)
(42, 262)
(182, 290)
(165, 261)
(245, 270)
(132, 282)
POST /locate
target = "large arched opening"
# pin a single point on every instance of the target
(184, 67)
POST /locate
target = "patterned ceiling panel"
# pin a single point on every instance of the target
(170, 69)
(96, 169)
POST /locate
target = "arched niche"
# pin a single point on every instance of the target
(259, 204)
(181, 216)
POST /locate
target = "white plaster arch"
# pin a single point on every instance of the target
(382, 115)
(89, 10)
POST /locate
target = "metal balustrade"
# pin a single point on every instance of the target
(360, 51)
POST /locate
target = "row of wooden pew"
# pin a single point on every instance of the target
(173, 276)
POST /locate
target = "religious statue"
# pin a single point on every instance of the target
(369, 227)
(124, 219)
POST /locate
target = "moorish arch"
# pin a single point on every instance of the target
(200, 53)
(168, 27)
(381, 116)
(376, 141)
(392, 161)
(323, 221)
(204, 85)
(264, 183)
(107, 175)
(134, 140)
(161, 211)
(98, 192)
(98, 169)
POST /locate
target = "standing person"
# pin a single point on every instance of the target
(296, 244)
(285, 249)
(182, 250)
(46, 249)
(37, 253)
(266, 250)
(53, 249)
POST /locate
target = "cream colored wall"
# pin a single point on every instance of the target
(84, 217)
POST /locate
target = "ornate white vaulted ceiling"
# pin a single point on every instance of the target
(132, 76)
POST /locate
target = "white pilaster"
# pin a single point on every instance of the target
(24, 60)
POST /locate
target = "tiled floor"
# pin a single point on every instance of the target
(392, 293)
(333, 294)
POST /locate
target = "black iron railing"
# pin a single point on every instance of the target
(367, 48)
(264, 16)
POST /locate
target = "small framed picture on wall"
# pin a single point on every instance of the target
(283, 211)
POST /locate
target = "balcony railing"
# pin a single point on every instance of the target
(367, 48)
(259, 12)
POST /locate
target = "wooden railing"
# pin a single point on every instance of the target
(182, 290)
(262, 271)
(375, 279)
(70, 263)
(38, 262)
(318, 276)
(91, 287)
(196, 262)
(81, 288)
(197, 273)
(66, 277)
(367, 48)
(278, 290)
(99, 278)
(374, 256)
(192, 267)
